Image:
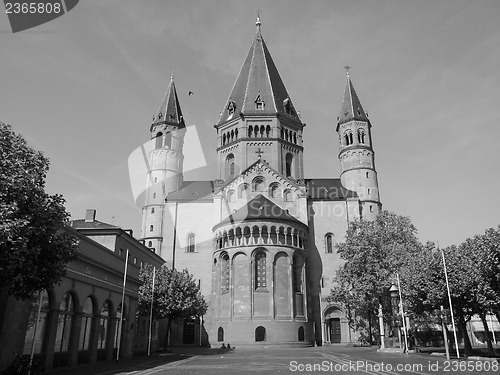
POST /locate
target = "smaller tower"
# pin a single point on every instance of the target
(357, 158)
(165, 160)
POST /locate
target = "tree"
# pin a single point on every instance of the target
(373, 252)
(176, 294)
(34, 248)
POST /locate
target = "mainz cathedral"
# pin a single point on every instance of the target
(259, 237)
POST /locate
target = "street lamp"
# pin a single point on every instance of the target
(395, 292)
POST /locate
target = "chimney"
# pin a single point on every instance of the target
(90, 216)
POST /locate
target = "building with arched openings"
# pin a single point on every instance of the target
(259, 236)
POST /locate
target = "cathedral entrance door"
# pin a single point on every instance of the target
(335, 336)
(188, 332)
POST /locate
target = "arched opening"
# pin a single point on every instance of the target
(224, 273)
(220, 334)
(301, 334)
(250, 131)
(260, 334)
(361, 136)
(229, 165)
(287, 195)
(260, 270)
(102, 331)
(274, 191)
(168, 140)
(85, 331)
(159, 140)
(191, 240)
(258, 184)
(329, 243)
(36, 329)
(243, 190)
(231, 195)
(63, 331)
(288, 165)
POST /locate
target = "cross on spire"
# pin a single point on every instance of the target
(259, 152)
(258, 23)
(347, 67)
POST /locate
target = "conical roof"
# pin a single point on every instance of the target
(258, 82)
(170, 110)
(351, 106)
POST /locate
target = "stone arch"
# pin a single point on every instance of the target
(260, 334)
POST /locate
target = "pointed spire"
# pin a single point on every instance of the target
(351, 106)
(170, 110)
(258, 89)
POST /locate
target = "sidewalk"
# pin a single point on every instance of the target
(140, 362)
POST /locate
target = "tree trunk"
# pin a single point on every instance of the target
(487, 331)
(167, 334)
(370, 339)
(463, 328)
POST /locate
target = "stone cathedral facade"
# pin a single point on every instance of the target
(259, 236)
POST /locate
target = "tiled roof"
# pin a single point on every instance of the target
(192, 191)
(258, 78)
(170, 110)
(259, 208)
(328, 189)
(82, 224)
(351, 106)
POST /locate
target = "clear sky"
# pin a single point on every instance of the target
(84, 87)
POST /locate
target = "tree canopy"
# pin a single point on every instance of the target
(33, 247)
(176, 294)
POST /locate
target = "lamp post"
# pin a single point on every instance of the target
(395, 292)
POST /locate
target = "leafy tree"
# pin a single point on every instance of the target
(33, 247)
(175, 295)
(373, 252)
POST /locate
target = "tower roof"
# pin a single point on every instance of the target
(351, 106)
(169, 112)
(258, 82)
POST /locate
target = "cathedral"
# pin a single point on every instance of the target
(259, 237)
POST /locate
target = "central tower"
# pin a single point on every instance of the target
(259, 119)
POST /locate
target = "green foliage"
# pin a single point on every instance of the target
(33, 247)
(373, 252)
(176, 294)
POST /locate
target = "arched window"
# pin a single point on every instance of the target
(63, 332)
(191, 240)
(250, 131)
(224, 273)
(231, 196)
(88, 314)
(348, 138)
(159, 140)
(242, 190)
(268, 131)
(258, 183)
(288, 165)
(102, 332)
(259, 103)
(152, 210)
(260, 270)
(37, 329)
(229, 165)
(301, 334)
(287, 195)
(329, 243)
(260, 334)
(150, 228)
(361, 136)
(274, 191)
(168, 140)
(154, 195)
(150, 244)
(220, 334)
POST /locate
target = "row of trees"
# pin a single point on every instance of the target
(374, 252)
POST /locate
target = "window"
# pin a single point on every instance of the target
(231, 106)
(361, 136)
(231, 196)
(260, 334)
(258, 184)
(260, 270)
(224, 277)
(367, 174)
(64, 323)
(154, 195)
(329, 243)
(191, 239)
(150, 244)
(242, 190)
(229, 165)
(371, 208)
(168, 140)
(287, 195)
(159, 140)
(287, 104)
(288, 165)
(152, 210)
(259, 103)
(150, 228)
(220, 334)
(301, 334)
(348, 138)
(274, 191)
(102, 332)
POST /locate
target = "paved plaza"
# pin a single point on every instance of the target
(319, 360)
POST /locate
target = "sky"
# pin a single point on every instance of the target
(83, 89)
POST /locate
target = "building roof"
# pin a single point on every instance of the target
(95, 224)
(258, 209)
(169, 112)
(328, 189)
(351, 106)
(258, 80)
(193, 191)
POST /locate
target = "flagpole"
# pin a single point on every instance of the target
(151, 312)
(449, 300)
(120, 326)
